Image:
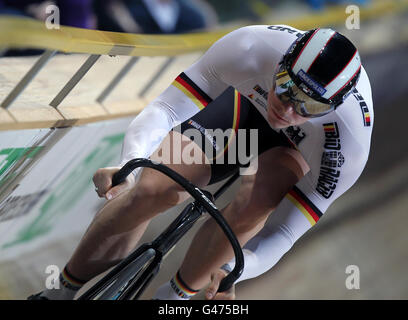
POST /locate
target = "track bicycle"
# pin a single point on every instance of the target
(129, 279)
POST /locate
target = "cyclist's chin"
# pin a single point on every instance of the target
(277, 123)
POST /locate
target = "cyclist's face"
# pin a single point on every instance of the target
(282, 114)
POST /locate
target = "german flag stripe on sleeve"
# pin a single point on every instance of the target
(367, 118)
(191, 90)
(309, 210)
(329, 127)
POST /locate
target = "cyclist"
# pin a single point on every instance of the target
(310, 100)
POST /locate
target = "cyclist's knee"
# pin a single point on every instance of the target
(158, 194)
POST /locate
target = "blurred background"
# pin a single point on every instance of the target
(366, 227)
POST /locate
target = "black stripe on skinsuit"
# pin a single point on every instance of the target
(308, 202)
(343, 50)
(195, 87)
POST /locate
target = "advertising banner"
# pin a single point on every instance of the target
(54, 196)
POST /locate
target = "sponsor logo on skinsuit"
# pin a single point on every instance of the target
(289, 30)
(257, 100)
(261, 91)
(331, 132)
(332, 159)
(205, 133)
(364, 108)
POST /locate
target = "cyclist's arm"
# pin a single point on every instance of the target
(300, 210)
(284, 227)
(225, 64)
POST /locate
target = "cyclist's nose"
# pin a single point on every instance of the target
(286, 107)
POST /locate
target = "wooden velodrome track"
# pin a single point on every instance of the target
(366, 227)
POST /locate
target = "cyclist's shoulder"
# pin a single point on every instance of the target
(356, 113)
(357, 110)
(344, 134)
(363, 87)
(276, 29)
(349, 127)
(336, 150)
(255, 49)
(275, 36)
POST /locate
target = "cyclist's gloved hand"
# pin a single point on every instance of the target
(211, 292)
(103, 183)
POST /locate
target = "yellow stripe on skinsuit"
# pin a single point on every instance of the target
(301, 208)
(234, 124)
(189, 95)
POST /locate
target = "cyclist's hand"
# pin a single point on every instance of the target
(211, 292)
(103, 183)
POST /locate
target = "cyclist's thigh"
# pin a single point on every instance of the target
(186, 147)
(279, 169)
(214, 128)
(181, 154)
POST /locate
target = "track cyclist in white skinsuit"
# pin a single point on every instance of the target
(310, 99)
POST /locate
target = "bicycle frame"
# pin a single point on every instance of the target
(157, 249)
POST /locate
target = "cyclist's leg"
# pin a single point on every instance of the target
(118, 226)
(278, 170)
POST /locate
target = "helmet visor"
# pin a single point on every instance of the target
(288, 92)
